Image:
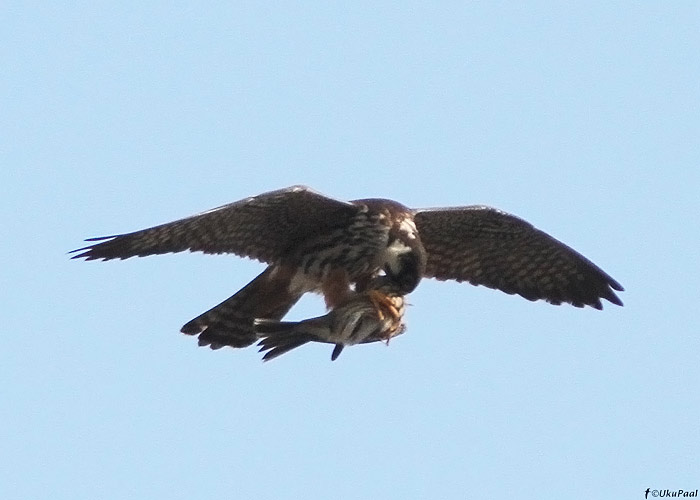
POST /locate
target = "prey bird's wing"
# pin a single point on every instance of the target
(262, 227)
(486, 246)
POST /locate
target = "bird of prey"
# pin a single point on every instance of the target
(313, 243)
(370, 316)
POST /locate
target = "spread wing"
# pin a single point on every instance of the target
(485, 246)
(262, 227)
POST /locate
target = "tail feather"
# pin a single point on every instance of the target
(279, 345)
(230, 323)
(336, 351)
(265, 327)
(279, 337)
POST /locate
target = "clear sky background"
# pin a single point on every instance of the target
(582, 118)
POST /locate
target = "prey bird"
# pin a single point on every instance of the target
(313, 243)
(370, 316)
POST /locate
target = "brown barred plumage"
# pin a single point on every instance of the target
(315, 243)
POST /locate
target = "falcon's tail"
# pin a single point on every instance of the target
(231, 322)
(278, 337)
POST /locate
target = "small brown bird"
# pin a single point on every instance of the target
(369, 316)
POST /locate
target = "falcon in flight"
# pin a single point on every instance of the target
(313, 243)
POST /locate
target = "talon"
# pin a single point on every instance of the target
(392, 309)
(378, 300)
(392, 331)
(383, 303)
(386, 309)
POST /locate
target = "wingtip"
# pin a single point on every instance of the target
(102, 238)
(614, 299)
(610, 295)
(87, 251)
(85, 255)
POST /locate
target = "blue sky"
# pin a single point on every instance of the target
(583, 119)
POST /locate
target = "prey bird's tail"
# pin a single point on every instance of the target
(279, 337)
(231, 322)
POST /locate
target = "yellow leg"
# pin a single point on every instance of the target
(378, 300)
(383, 303)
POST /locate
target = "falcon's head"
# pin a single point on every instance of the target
(405, 257)
(405, 264)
